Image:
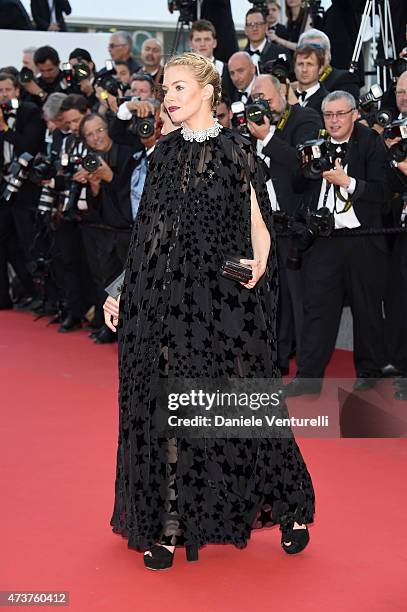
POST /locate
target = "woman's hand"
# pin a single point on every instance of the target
(258, 269)
(111, 311)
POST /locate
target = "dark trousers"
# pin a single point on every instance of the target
(74, 275)
(396, 304)
(106, 252)
(336, 266)
(11, 252)
(290, 314)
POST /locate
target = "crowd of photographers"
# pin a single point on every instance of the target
(74, 150)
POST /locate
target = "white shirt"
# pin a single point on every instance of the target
(309, 92)
(218, 65)
(256, 58)
(247, 91)
(53, 17)
(269, 184)
(342, 220)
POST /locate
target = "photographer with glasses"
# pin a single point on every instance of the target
(276, 145)
(355, 190)
(108, 192)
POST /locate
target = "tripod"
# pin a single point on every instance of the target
(376, 9)
(183, 24)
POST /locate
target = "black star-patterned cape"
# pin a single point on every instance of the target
(180, 318)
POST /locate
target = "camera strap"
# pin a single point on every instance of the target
(282, 122)
(325, 74)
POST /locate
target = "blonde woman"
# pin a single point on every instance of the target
(180, 318)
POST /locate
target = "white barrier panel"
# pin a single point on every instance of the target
(12, 43)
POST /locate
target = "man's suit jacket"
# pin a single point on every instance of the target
(303, 124)
(28, 135)
(13, 16)
(315, 101)
(343, 80)
(368, 165)
(270, 52)
(42, 15)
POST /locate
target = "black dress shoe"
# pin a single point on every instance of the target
(364, 384)
(390, 370)
(69, 324)
(28, 303)
(105, 336)
(303, 386)
(94, 334)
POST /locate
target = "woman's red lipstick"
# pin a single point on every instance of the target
(171, 109)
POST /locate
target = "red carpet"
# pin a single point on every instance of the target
(58, 443)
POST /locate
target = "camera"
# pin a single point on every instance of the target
(303, 229)
(44, 169)
(106, 78)
(186, 8)
(279, 68)
(26, 75)
(18, 173)
(398, 151)
(317, 156)
(144, 127)
(369, 104)
(255, 112)
(398, 67)
(71, 164)
(260, 5)
(73, 75)
(9, 106)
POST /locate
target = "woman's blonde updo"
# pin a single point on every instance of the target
(203, 70)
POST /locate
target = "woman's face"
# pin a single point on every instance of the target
(183, 95)
(293, 3)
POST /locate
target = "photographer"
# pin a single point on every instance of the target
(21, 131)
(109, 192)
(203, 40)
(276, 145)
(82, 85)
(151, 57)
(120, 49)
(50, 77)
(332, 79)
(242, 74)
(396, 302)
(224, 113)
(259, 47)
(308, 66)
(142, 86)
(74, 212)
(355, 190)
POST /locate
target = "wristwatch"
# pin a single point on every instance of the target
(42, 95)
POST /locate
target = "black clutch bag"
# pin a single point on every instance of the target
(232, 268)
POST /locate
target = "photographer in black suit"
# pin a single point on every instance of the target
(259, 47)
(355, 191)
(276, 145)
(331, 78)
(50, 79)
(21, 131)
(308, 66)
(50, 15)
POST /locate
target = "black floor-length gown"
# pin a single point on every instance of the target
(180, 318)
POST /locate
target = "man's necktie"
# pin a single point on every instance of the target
(301, 95)
(256, 52)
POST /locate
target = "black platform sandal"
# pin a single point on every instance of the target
(294, 541)
(161, 558)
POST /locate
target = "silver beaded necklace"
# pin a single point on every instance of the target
(201, 135)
